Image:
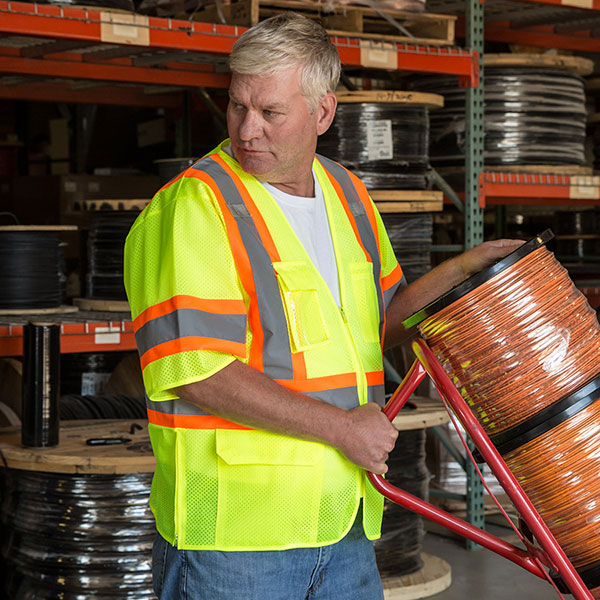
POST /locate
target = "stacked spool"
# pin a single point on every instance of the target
(75, 518)
(32, 269)
(522, 345)
(382, 137)
(535, 114)
(109, 224)
(406, 571)
(577, 238)
(411, 236)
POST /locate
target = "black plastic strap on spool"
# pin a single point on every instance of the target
(478, 279)
(548, 418)
(590, 575)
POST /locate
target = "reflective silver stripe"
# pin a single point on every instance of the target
(367, 235)
(376, 393)
(346, 398)
(277, 354)
(175, 407)
(389, 293)
(188, 322)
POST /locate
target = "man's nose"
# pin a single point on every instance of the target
(251, 126)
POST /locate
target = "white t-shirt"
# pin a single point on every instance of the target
(308, 218)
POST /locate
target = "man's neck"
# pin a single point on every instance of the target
(305, 189)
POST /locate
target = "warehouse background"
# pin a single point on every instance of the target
(473, 124)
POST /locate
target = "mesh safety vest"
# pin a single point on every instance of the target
(214, 273)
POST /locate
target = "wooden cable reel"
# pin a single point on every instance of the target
(522, 345)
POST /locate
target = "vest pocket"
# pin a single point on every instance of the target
(298, 285)
(269, 489)
(367, 305)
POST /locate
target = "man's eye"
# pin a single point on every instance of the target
(268, 113)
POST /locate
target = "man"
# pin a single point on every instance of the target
(262, 282)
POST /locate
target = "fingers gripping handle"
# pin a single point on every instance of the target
(413, 378)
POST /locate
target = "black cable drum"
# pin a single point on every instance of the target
(533, 116)
(106, 241)
(76, 537)
(411, 236)
(398, 551)
(32, 269)
(384, 144)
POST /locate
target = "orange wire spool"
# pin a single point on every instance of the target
(522, 345)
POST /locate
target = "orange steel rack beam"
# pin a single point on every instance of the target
(75, 337)
(538, 189)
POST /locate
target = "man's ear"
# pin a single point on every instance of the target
(326, 112)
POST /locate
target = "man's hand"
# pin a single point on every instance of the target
(367, 437)
(484, 255)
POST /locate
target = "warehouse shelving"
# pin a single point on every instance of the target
(91, 55)
(50, 42)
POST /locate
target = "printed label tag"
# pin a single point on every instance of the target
(379, 140)
(107, 335)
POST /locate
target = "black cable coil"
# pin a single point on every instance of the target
(32, 270)
(87, 373)
(76, 537)
(411, 237)
(359, 139)
(106, 241)
(119, 406)
(533, 116)
(398, 551)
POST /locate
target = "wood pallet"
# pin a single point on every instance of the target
(407, 201)
(352, 21)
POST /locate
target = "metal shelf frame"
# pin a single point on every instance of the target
(47, 42)
(74, 337)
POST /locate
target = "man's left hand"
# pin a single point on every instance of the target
(486, 254)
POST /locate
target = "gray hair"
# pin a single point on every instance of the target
(289, 40)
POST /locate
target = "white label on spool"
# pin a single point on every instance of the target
(107, 335)
(92, 384)
(379, 140)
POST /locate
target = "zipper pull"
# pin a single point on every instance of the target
(343, 314)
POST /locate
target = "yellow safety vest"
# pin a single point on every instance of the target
(214, 273)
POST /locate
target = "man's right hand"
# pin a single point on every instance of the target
(367, 437)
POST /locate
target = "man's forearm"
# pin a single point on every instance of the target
(438, 281)
(241, 394)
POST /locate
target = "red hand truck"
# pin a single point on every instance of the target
(547, 554)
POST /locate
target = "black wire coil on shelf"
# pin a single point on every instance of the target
(398, 551)
(32, 269)
(119, 406)
(533, 116)
(108, 230)
(70, 537)
(411, 236)
(357, 140)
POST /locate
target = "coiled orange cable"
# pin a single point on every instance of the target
(559, 473)
(518, 342)
(513, 346)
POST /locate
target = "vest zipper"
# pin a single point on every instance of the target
(361, 378)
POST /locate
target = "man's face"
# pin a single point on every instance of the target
(273, 133)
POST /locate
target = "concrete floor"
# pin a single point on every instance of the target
(483, 575)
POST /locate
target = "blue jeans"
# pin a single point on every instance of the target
(343, 571)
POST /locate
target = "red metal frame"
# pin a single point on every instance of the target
(551, 554)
